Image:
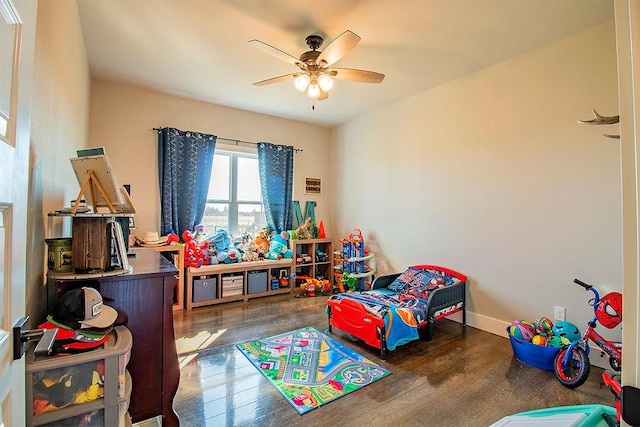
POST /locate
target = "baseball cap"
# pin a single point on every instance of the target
(83, 308)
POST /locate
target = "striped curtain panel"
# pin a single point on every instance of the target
(185, 159)
(275, 163)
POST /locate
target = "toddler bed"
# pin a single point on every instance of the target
(400, 307)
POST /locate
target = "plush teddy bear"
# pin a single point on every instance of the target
(278, 247)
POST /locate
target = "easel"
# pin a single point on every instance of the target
(92, 181)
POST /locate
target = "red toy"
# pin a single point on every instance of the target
(572, 364)
(196, 254)
(311, 285)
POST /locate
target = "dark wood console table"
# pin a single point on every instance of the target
(143, 298)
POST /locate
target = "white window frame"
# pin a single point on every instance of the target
(233, 202)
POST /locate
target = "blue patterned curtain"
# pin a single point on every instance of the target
(275, 163)
(184, 166)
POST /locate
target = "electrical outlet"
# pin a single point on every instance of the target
(559, 313)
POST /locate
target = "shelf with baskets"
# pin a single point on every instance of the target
(219, 283)
(312, 258)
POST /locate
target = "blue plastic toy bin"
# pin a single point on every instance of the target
(538, 356)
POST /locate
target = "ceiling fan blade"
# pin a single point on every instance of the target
(338, 48)
(274, 51)
(276, 79)
(323, 95)
(354, 75)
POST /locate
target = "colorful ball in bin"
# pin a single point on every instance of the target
(522, 329)
(557, 341)
(567, 330)
(539, 340)
(544, 325)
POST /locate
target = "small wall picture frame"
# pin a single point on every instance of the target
(312, 185)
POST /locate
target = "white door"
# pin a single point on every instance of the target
(17, 36)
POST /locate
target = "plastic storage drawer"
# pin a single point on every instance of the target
(61, 388)
(205, 289)
(99, 416)
(257, 281)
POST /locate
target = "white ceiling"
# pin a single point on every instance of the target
(198, 48)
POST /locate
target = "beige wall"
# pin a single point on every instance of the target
(492, 176)
(59, 122)
(122, 119)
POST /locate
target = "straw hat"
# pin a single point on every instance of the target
(151, 238)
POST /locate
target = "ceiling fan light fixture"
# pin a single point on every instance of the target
(301, 82)
(313, 91)
(325, 82)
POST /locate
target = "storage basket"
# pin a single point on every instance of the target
(538, 356)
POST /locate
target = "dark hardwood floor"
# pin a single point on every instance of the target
(463, 377)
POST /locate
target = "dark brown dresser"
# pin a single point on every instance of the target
(143, 298)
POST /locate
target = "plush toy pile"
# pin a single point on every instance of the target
(202, 249)
(545, 332)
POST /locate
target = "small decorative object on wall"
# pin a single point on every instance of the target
(312, 185)
(602, 120)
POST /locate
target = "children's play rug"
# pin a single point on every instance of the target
(309, 368)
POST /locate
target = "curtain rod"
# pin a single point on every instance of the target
(237, 141)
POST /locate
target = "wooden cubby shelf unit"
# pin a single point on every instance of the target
(221, 275)
(313, 258)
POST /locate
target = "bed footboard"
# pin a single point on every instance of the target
(444, 302)
(350, 317)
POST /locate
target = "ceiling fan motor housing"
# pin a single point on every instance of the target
(314, 41)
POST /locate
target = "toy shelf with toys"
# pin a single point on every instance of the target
(219, 283)
(312, 259)
(350, 265)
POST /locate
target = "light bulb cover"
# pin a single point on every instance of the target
(325, 82)
(301, 82)
(313, 91)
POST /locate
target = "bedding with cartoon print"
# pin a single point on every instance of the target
(400, 307)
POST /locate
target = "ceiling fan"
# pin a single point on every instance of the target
(316, 74)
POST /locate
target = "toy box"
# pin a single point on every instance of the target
(232, 285)
(257, 281)
(91, 387)
(538, 356)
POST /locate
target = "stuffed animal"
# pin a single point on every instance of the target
(262, 241)
(305, 230)
(195, 254)
(221, 240)
(278, 247)
(198, 233)
(248, 248)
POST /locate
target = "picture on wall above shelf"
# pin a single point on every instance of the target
(312, 185)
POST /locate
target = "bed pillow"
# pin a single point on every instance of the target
(423, 279)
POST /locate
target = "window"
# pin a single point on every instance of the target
(234, 200)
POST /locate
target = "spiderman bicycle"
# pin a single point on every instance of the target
(571, 364)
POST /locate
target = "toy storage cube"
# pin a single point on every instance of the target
(205, 289)
(232, 285)
(257, 281)
(61, 388)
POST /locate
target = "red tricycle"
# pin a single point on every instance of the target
(571, 364)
